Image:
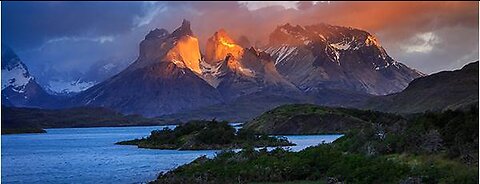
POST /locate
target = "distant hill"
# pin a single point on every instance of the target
(440, 91)
(22, 120)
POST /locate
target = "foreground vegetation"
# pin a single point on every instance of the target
(205, 135)
(425, 148)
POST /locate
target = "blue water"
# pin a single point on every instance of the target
(89, 155)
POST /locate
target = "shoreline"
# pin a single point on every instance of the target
(45, 130)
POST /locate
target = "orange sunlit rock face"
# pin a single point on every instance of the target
(186, 53)
(219, 46)
(223, 41)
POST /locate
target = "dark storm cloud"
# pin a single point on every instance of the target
(29, 24)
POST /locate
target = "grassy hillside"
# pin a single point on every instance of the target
(313, 119)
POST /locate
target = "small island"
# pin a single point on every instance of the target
(206, 135)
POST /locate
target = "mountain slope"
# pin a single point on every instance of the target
(19, 88)
(162, 80)
(439, 91)
(242, 109)
(322, 56)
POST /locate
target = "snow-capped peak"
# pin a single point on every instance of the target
(16, 76)
(14, 72)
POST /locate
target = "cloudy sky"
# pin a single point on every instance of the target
(71, 36)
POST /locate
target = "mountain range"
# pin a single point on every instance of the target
(173, 78)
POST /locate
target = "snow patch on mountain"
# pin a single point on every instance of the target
(282, 52)
(340, 46)
(16, 76)
(68, 87)
(247, 71)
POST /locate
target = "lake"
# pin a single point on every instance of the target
(89, 155)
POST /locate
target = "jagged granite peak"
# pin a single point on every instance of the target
(219, 45)
(186, 54)
(322, 56)
(223, 53)
(157, 33)
(179, 47)
(183, 30)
